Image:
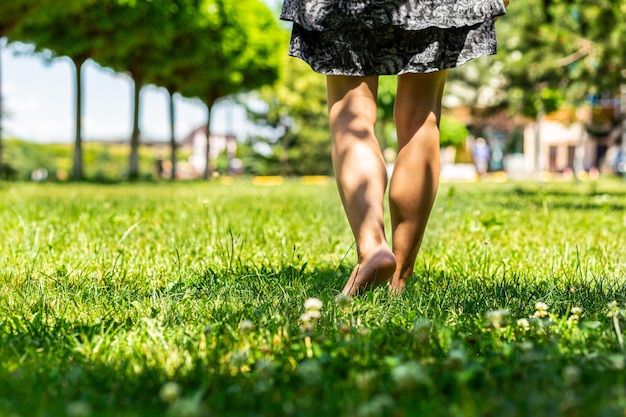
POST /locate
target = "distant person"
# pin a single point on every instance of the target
(353, 43)
(481, 154)
(159, 167)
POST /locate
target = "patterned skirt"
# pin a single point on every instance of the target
(385, 37)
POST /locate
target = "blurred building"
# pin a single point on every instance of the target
(571, 140)
(196, 141)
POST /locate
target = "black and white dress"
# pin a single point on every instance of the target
(384, 37)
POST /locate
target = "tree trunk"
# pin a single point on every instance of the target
(77, 169)
(133, 170)
(207, 167)
(1, 110)
(172, 135)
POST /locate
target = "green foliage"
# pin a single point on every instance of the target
(171, 300)
(386, 100)
(238, 48)
(453, 132)
(209, 49)
(104, 162)
(295, 108)
(12, 13)
(570, 48)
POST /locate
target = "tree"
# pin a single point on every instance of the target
(11, 14)
(295, 111)
(142, 35)
(52, 28)
(179, 62)
(238, 48)
(570, 47)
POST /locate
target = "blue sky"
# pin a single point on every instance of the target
(38, 98)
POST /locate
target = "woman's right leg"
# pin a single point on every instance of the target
(361, 176)
(416, 173)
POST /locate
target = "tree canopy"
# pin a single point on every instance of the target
(560, 51)
(201, 48)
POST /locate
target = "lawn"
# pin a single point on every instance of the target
(191, 300)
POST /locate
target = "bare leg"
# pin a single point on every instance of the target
(361, 176)
(416, 173)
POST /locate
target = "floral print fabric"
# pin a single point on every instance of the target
(378, 37)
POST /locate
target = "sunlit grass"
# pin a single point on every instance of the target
(189, 300)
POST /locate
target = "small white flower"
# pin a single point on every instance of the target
(456, 359)
(496, 318)
(408, 375)
(305, 318)
(314, 314)
(524, 324)
(577, 311)
(310, 315)
(313, 304)
(542, 310)
(170, 392)
(246, 326)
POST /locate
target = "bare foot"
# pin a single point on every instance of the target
(373, 270)
(397, 284)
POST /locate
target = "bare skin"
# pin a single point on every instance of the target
(416, 173)
(362, 176)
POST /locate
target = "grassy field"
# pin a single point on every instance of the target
(189, 300)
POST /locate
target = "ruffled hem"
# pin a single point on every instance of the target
(320, 15)
(361, 52)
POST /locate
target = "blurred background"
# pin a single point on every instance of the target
(111, 90)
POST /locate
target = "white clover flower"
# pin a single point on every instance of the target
(456, 359)
(573, 318)
(408, 375)
(310, 315)
(246, 326)
(313, 304)
(496, 318)
(577, 310)
(315, 314)
(524, 324)
(170, 392)
(305, 318)
(542, 310)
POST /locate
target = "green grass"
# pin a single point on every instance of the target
(187, 300)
